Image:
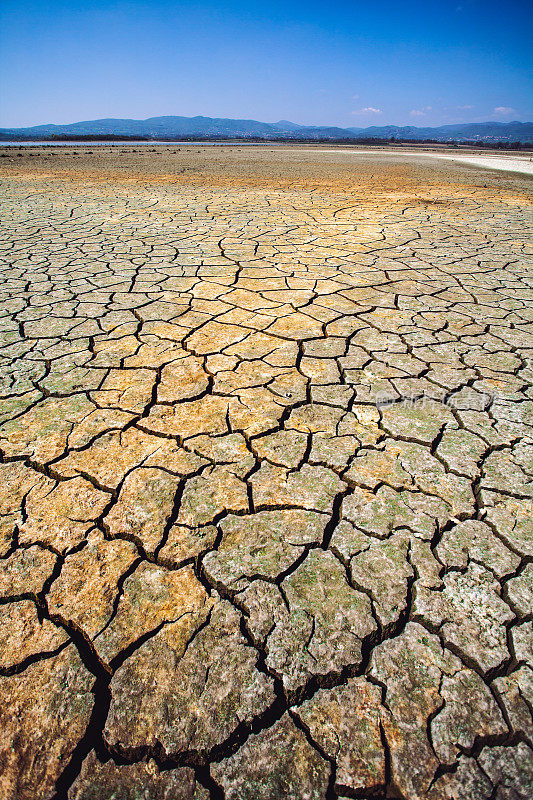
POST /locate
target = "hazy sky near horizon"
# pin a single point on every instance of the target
(351, 64)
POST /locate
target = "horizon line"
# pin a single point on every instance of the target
(251, 119)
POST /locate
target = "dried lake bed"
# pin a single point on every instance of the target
(266, 479)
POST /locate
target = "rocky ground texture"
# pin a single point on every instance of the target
(266, 490)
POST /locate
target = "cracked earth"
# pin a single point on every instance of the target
(266, 486)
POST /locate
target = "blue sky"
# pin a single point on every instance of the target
(336, 62)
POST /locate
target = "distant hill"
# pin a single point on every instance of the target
(488, 131)
(161, 127)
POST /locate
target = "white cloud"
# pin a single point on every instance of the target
(464, 108)
(505, 110)
(355, 97)
(368, 110)
(420, 112)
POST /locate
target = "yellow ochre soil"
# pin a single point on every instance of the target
(266, 422)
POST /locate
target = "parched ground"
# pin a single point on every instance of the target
(266, 435)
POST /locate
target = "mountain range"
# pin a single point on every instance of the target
(208, 127)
